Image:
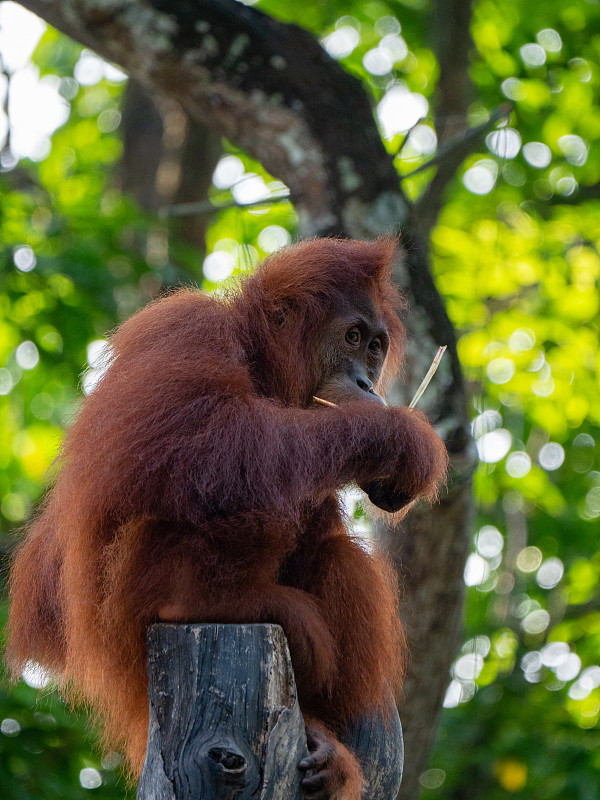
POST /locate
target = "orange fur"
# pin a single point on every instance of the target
(198, 483)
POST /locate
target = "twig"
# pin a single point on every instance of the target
(462, 143)
(324, 402)
(207, 207)
(420, 391)
(427, 379)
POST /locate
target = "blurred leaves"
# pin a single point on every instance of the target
(516, 256)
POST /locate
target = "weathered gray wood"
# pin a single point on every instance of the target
(379, 747)
(225, 722)
(224, 716)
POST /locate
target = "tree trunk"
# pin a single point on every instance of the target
(224, 716)
(225, 721)
(167, 158)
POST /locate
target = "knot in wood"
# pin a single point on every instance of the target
(230, 760)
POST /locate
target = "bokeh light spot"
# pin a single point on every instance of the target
(10, 727)
(554, 654)
(551, 456)
(500, 370)
(550, 40)
(432, 778)
(477, 570)
(422, 140)
(24, 258)
(27, 355)
(550, 573)
(481, 177)
(493, 446)
(218, 266)
(487, 421)
(6, 381)
(511, 774)
(272, 238)
(521, 340)
(35, 676)
(574, 149)
(400, 109)
(513, 89)
(89, 69)
(377, 61)
(90, 778)
(518, 464)
(229, 170)
(505, 142)
(250, 189)
(537, 154)
(489, 541)
(529, 559)
(341, 42)
(536, 622)
(533, 55)
(569, 669)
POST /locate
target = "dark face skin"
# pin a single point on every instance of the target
(354, 348)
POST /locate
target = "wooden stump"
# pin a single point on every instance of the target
(379, 748)
(225, 723)
(224, 717)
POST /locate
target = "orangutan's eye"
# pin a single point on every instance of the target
(353, 336)
(375, 346)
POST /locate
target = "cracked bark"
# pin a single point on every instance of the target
(272, 90)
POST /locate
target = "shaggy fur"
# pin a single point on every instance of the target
(198, 476)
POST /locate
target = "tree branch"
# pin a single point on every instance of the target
(461, 146)
(578, 610)
(580, 195)
(305, 119)
(208, 207)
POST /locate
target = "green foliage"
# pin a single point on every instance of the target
(516, 257)
(47, 754)
(78, 242)
(519, 267)
(47, 751)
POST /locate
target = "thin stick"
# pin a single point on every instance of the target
(420, 391)
(324, 402)
(464, 142)
(426, 380)
(208, 207)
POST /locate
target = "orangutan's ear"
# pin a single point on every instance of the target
(280, 314)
